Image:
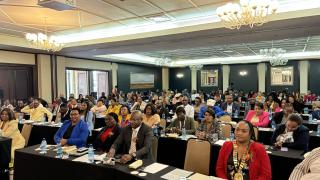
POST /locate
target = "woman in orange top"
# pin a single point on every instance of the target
(124, 116)
(150, 117)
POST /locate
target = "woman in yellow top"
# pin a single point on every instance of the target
(150, 117)
(124, 116)
(9, 128)
(113, 107)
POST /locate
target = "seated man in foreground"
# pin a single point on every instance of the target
(135, 140)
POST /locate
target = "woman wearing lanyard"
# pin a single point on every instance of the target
(243, 159)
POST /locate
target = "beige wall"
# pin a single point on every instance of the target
(17, 58)
(165, 78)
(44, 77)
(65, 62)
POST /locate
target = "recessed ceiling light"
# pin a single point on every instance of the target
(159, 18)
(180, 75)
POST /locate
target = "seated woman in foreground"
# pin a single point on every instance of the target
(243, 158)
(108, 134)
(73, 132)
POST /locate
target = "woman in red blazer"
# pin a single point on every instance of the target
(243, 158)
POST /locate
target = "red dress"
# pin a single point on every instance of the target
(259, 164)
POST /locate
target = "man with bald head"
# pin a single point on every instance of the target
(135, 140)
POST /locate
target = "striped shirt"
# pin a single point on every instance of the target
(309, 165)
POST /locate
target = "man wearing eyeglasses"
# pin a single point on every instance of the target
(292, 134)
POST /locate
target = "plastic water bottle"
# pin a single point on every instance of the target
(270, 116)
(236, 113)
(59, 151)
(163, 116)
(231, 136)
(91, 154)
(310, 118)
(273, 125)
(184, 133)
(305, 110)
(43, 146)
(318, 130)
(20, 118)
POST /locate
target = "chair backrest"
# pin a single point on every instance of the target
(256, 132)
(226, 130)
(198, 156)
(25, 132)
(154, 148)
(163, 123)
(196, 124)
(225, 118)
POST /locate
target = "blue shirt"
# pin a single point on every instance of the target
(78, 136)
(218, 111)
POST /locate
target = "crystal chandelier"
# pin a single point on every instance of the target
(42, 41)
(196, 67)
(248, 12)
(275, 56)
(163, 61)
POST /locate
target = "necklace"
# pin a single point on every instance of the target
(238, 166)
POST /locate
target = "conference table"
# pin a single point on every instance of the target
(5, 156)
(30, 164)
(172, 151)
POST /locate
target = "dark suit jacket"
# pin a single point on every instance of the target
(300, 136)
(143, 145)
(105, 146)
(189, 125)
(235, 107)
(277, 117)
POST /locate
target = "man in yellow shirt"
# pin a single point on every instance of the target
(37, 113)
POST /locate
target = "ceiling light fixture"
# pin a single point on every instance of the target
(43, 41)
(247, 13)
(163, 61)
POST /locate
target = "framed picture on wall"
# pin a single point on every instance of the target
(141, 81)
(209, 78)
(282, 76)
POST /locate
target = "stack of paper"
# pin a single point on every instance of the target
(154, 168)
(176, 174)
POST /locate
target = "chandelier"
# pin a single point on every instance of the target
(43, 41)
(162, 61)
(275, 56)
(247, 13)
(196, 67)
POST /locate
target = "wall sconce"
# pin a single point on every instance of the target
(180, 75)
(243, 73)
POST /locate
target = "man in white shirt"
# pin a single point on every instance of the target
(187, 107)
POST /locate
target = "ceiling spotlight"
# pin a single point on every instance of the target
(243, 73)
(180, 75)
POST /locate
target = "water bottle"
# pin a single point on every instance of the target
(59, 151)
(43, 119)
(318, 130)
(310, 118)
(305, 110)
(91, 154)
(231, 136)
(273, 125)
(163, 116)
(236, 113)
(43, 146)
(184, 133)
(20, 118)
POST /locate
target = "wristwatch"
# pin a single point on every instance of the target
(134, 155)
